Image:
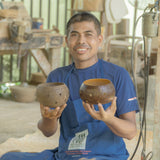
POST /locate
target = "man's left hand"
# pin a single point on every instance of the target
(102, 114)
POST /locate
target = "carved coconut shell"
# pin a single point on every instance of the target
(53, 94)
(96, 91)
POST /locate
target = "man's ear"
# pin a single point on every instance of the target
(100, 37)
(66, 40)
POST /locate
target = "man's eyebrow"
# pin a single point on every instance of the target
(88, 31)
(74, 31)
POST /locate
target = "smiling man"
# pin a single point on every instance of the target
(87, 131)
(83, 40)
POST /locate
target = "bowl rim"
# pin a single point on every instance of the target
(50, 84)
(96, 82)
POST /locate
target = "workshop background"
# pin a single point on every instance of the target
(32, 44)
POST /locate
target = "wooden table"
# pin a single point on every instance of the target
(38, 46)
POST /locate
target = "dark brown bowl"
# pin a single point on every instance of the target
(96, 91)
(53, 94)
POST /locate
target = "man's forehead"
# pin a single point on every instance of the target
(85, 27)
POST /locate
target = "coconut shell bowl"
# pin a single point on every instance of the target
(53, 94)
(94, 91)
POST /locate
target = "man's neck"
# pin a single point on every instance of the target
(83, 65)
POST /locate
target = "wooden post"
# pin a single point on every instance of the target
(23, 67)
(55, 58)
(156, 129)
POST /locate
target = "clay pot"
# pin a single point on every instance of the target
(37, 78)
(23, 93)
(96, 91)
(53, 94)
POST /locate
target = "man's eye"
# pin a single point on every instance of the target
(88, 34)
(73, 35)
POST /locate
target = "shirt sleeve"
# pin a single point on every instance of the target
(57, 75)
(125, 91)
(52, 77)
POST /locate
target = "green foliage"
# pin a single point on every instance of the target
(5, 88)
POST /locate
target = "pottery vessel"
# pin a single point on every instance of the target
(96, 91)
(53, 94)
(37, 78)
(23, 93)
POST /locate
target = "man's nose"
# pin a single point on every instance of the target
(81, 39)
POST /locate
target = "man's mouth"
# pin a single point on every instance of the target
(81, 50)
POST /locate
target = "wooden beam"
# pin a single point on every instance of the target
(39, 40)
(41, 60)
(55, 57)
(156, 128)
(5, 52)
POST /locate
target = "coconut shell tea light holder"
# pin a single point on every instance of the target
(53, 94)
(94, 91)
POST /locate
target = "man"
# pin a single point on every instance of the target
(88, 131)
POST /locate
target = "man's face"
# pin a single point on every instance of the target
(83, 42)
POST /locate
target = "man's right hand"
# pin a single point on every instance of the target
(48, 124)
(51, 113)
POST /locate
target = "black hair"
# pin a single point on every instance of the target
(84, 16)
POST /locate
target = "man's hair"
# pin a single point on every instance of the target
(84, 16)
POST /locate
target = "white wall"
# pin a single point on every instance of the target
(131, 18)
